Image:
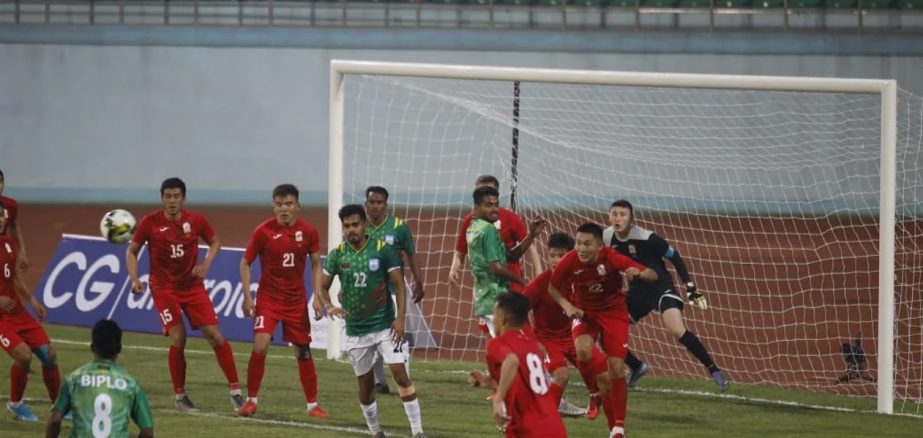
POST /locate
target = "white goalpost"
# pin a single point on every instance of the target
(789, 198)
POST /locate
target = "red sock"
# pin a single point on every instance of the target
(619, 401)
(557, 392)
(607, 409)
(308, 379)
(589, 378)
(18, 378)
(225, 357)
(52, 378)
(177, 362)
(255, 370)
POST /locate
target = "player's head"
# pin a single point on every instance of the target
(487, 203)
(511, 311)
(285, 203)
(621, 216)
(558, 244)
(376, 202)
(107, 339)
(487, 181)
(589, 241)
(173, 195)
(353, 218)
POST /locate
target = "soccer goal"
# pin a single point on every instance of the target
(796, 202)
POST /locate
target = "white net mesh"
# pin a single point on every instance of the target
(771, 197)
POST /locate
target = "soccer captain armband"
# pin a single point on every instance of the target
(695, 297)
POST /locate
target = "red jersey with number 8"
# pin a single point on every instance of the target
(283, 252)
(173, 248)
(529, 405)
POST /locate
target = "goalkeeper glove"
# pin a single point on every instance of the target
(695, 297)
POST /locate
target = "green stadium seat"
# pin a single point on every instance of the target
(768, 4)
(878, 4)
(514, 2)
(550, 3)
(693, 4)
(910, 4)
(658, 3)
(619, 3)
(841, 4)
(805, 4)
(733, 4)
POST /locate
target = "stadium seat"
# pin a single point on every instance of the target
(733, 4)
(805, 4)
(658, 3)
(514, 2)
(841, 4)
(550, 3)
(693, 4)
(910, 4)
(768, 4)
(878, 4)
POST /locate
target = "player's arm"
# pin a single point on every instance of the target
(501, 271)
(516, 252)
(61, 407)
(397, 281)
(248, 304)
(22, 260)
(317, 271)
(631, 268)
(461, 250)
(692, 292)
(141, 414)
(53, 430)
(409, 251)
(131, 255)
(19, 283)
(561, 275)
(323, 292)
(214, 245)
(507, 374)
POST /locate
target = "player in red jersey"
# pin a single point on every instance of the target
(595, 271)
(512, 233)
(172, 236)
(524, 405)
(283, 244)
(553, 330)
(20, 334)
(11, 213)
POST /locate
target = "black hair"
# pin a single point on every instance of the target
(561, 240)
(107, 339)
(283, 190)
(351, 209)
(376, 189)
(488, 179)
(482, 192)
(624, 204)
(591, 228)
(173, 183)
(516, 307)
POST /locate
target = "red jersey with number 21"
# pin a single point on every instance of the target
(531, 408)
(173, 248)
(283, 252)
(598, 285)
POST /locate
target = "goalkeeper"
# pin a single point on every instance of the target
(650, 250)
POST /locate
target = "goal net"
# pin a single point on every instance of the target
(773, 198)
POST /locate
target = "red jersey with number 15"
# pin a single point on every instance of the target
(529, 405)
(597, 285)
(173, 248)
(283, 252)
(8, 267)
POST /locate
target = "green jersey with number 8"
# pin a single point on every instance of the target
(365, 286)
(103, 397)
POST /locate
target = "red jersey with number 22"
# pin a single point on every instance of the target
(529, 405)
(283, 252)
(597, 285)
(173, 248)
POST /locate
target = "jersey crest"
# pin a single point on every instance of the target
(187, 228)
(601, 270)
(389, 239)
(632, 250)
(299, 236)
(373, 265)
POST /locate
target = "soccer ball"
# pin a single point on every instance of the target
(117, 226)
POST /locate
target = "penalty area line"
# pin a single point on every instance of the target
(344, 429)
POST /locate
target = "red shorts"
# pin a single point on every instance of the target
(561, 351)
(537, 426)
(194, 303)
(19, 328)
(611, 325)
(294, 318)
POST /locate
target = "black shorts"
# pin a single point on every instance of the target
(656, 297)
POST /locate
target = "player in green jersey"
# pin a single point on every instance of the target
(395, 232)
(102, 395)
(366, 267)
(487, 255)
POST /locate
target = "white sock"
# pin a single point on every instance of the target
(15, 405)
(311, 405)
(180, 396)
(371, 416)
(616, 430)
(235, 391)
(412, 409)
(253, 399)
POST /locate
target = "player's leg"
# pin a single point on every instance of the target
(590, 374)
(264, 324)
(19, 372)
(198, 309)
(35, 337)
(672, 316)
(556, 363)
(381, 380)
(361, 350)
(171, 317)
(297, 331)
(396, 356)
(641, 302)
(615, 344)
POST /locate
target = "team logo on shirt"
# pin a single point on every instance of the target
(8, 249)
(344, 266)
(601, 270)
(299, 236)
(497, 224)
(632, 250)
(187, 228)
(373, 265)
(389, 239)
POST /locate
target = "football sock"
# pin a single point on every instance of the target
(255, 369)
(308, 376)
(177, 362)
(632, 361)
(371, 416)
(52, 378)
(692, 343)
(19, 376)
(225, 357)
(412, 409)
(619, 401)
(557, 392)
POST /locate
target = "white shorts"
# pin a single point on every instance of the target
(362, 350)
